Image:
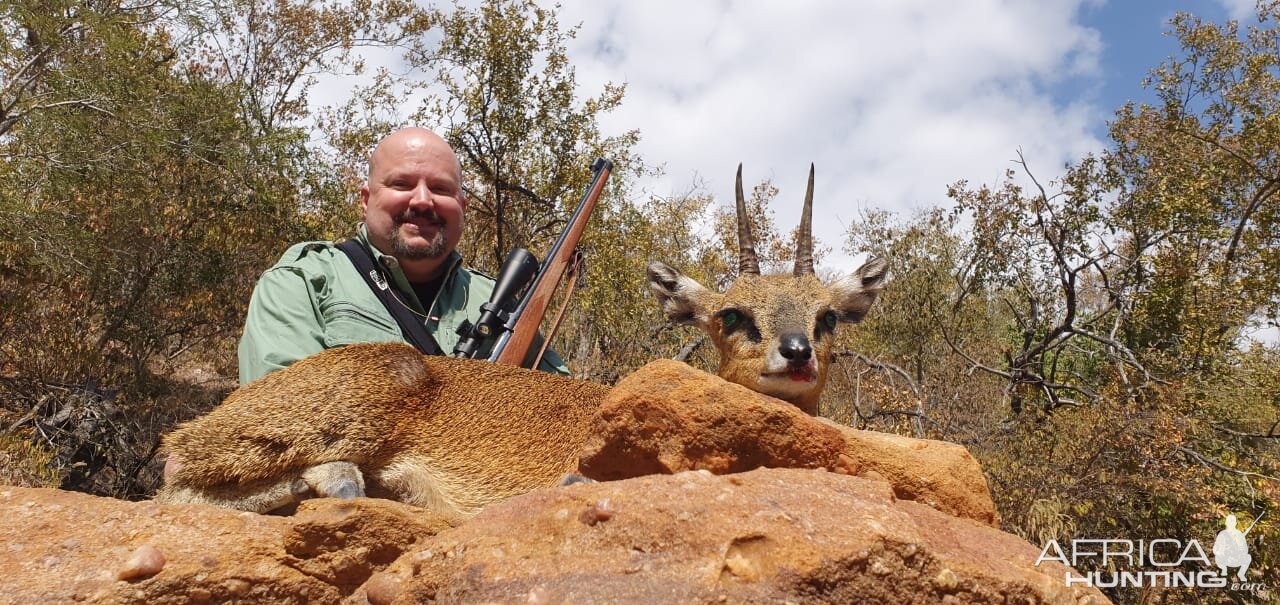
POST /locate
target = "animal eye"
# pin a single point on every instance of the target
(734, 321)
(829, 319)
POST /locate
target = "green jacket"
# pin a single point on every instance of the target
(314, 299)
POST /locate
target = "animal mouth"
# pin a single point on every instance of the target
(802, 373)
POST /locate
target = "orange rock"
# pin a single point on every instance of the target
(64, 547)
(768, 535)
(145, 562)
(668, 417)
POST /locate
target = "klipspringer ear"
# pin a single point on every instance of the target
(681, 296)
(854, 294)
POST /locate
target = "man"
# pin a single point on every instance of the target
(414, 210)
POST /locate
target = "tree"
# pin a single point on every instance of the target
(1108, 306)
(509, 111)
(1200, 181)
(896, 366)
(143, 189)
(616, 326)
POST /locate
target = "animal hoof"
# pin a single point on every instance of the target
(346, 489)
(573, 478)
(339, 479)
(299, 488)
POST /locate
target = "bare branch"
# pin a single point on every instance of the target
(1270, 434)
(1128, 357)
(882, 365)
(1259, 196)
(687, 350)
(1210, 463)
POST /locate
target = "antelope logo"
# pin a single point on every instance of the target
(774, 332)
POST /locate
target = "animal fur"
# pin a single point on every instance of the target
(381, 407)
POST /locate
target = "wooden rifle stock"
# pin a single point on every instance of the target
(514, 347)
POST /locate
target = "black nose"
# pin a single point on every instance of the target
(795, 348)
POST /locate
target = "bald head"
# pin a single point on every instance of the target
(411, 137)
(413, 202)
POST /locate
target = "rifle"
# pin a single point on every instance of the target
(1255, 522)
(511, 321)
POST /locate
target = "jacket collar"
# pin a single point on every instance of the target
(392, 266)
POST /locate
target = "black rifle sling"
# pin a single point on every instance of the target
(410, 326)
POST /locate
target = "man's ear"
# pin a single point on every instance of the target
(683, 299)
(364, 198)
(853, 295)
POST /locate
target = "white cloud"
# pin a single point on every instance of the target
(1240, 9)
(892, 100)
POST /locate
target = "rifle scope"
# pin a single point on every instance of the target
(517, 271)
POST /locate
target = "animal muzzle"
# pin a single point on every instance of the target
(798, 353)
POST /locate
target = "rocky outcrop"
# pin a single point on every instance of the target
(768, 535)
(668, 417)
(712, 493)
(64, 547)
(764, 536)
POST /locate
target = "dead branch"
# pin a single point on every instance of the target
(1214, 464)
(1270, 434)
(687, 350)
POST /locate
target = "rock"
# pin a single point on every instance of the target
(768, 535)
(938, 473)
(67, 547)
(857, 517)
(147, 561)
(383, 588)
(668, 417)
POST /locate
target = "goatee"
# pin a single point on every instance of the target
(433, 248)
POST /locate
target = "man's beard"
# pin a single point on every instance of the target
(435, 246)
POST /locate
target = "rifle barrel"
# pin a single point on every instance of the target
(1255, 522)
(522, 326)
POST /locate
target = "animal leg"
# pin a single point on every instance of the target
(412, 480)
(257, 497)
(329, 480)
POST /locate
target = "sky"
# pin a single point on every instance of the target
(891, 100)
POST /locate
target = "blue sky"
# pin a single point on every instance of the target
(1133, 43)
